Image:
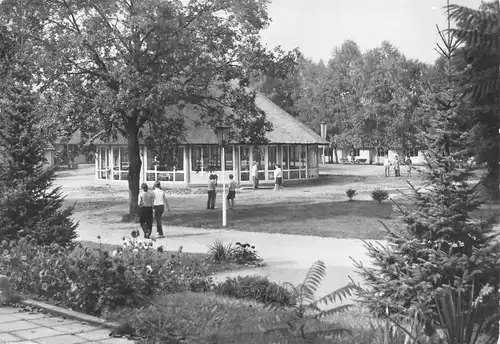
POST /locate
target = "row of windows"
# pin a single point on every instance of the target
(167, 164)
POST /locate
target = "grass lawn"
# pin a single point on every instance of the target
(340, 219)
(186, 258)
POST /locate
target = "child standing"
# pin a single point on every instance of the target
(278, 178)
(231, 194)
(211, 192)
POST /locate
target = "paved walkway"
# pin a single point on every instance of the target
(38, 328)
(288, 257)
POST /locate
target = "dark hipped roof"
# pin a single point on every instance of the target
(286, 129)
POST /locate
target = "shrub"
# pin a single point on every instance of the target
(96, 281)
(220, 252)
(256, 288)
(244, 254)
(240, 253)
(350, 193)
(200, 318)
(380, 195)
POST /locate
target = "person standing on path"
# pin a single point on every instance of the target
(211, 192)
(278, 178)
(396, 167)
(146, 202)
(408, 163)
(255, 175)
(231, 194)
(387, 166)
(159, 207)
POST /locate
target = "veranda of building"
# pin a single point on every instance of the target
(291, 144)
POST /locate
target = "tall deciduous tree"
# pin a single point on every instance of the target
(134, 62)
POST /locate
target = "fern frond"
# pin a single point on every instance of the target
(333, 311)
(340, 294)
(312, 281)
(333, 332)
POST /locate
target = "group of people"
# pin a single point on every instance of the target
(212, 191)
(152, 203)
(278, 176)
(395, 164)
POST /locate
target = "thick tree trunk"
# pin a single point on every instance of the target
(134, 170)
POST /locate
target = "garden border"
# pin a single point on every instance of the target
(70, 314)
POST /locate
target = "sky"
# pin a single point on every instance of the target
(316, 27)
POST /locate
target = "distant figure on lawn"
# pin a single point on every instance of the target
(231, 194)
(408, 165)
(278, 178)
(387, 166)
(146, 201)
(396, 167)
(255, 175)
(159, 206)
(212, 183)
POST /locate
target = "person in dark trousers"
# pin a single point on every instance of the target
(146, 201)
(211, 192)
(255, 175)
(231, 194)
(160, 202)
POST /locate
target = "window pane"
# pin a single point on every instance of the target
(286, 160)
(294, 158)
(272, 160)
(312, 161)
(124, 159)
(211, 158)
(150, 177)
(116, 158)
(179, 159)
(302, 156)
(244, 159)
(228, 156)
(196, 158)
(259, 155)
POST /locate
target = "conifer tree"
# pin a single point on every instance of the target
(30, 206)
(442, 242)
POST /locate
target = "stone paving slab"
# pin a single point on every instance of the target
(38, 328)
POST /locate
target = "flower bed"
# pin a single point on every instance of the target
(96, 281)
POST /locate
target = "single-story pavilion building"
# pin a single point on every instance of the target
(291, 144)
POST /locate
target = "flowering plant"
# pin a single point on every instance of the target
(96, 281)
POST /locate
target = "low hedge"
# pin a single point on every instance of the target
(255, 288)
(94, 280)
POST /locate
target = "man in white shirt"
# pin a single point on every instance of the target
(387, 166)
(278, 178)
(255, 175)
(160, 201)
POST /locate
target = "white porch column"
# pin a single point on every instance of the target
(307, 162)
(186, 165)
(97, 156)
